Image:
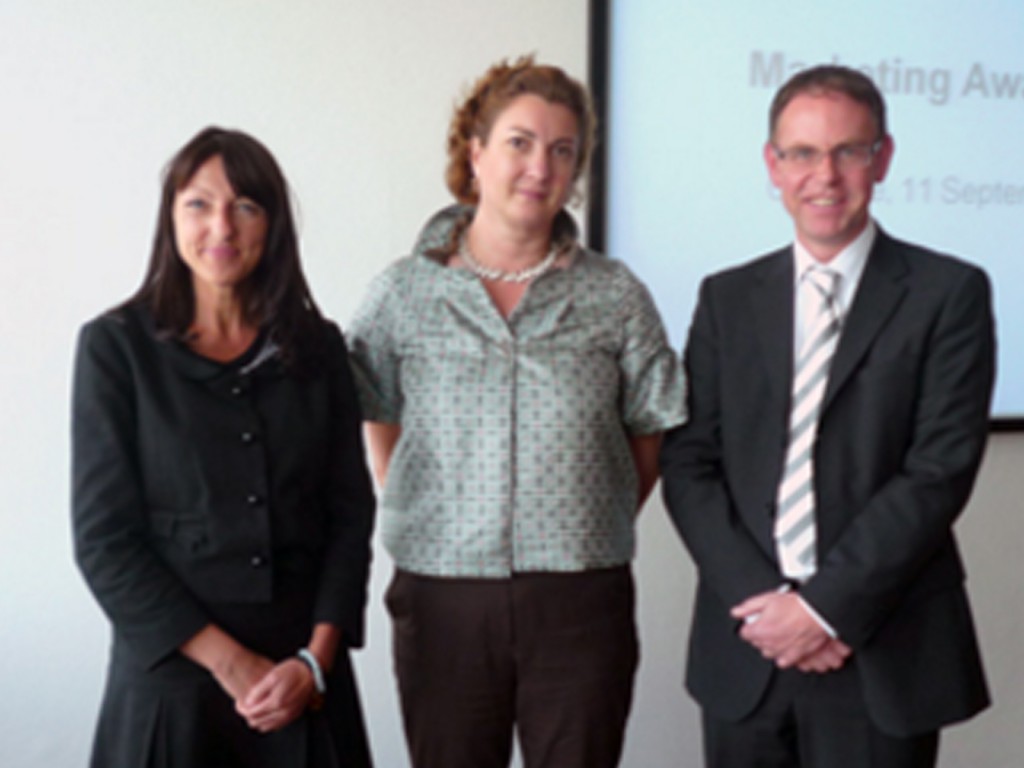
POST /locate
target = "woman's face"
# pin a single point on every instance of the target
(220, 235)
(525, 169)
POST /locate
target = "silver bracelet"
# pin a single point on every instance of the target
(319, 682)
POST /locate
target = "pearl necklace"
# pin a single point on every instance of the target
(491, 273)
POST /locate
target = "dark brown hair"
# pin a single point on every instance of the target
(489, 96)
(274, 297)
(830, 78)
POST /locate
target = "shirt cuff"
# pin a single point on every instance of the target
(829, 630)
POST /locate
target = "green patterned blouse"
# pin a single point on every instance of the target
(514, 452)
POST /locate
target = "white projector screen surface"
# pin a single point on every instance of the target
(690, 84)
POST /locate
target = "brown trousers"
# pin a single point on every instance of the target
(549, 656)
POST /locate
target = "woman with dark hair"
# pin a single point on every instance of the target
(516, 385)
(221, 505)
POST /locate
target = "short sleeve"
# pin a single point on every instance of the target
(373, 350)
(654, 386)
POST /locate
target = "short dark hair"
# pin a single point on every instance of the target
(830, 78)
(275, 296)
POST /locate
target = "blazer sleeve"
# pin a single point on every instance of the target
(728, 559)
(904, 532)
(148, 606)
(351, 507)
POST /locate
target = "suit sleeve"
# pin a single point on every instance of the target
(149, 608)
(906, 526)
(351, 505)
(696, 493)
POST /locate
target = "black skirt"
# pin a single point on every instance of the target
(175, 715)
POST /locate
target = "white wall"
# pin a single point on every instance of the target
(353, 99)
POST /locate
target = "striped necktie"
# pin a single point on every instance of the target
(794, 516)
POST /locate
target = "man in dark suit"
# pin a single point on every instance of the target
(839, 396)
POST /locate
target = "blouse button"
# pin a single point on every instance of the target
(257, 561)
(248, 437)
(253, 499)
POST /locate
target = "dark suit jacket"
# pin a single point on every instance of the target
(197, 484)
(900, 437)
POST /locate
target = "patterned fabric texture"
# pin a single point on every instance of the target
(514, 451)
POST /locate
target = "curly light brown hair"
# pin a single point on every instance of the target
(488, 98)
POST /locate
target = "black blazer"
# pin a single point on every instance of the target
(900, 438)
(196, 484)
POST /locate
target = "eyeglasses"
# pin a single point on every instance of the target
(845, 157)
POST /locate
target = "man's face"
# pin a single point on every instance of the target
(824, 161)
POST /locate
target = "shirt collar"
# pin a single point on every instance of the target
(440, 235)
(848, 263)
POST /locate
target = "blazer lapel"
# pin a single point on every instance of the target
(771, 324)
(771, 304)
(880, 291)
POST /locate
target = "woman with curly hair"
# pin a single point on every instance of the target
(516, 387)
